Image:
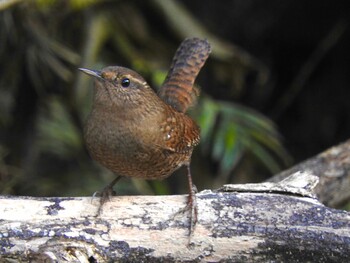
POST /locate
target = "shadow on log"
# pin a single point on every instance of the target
(282, 221)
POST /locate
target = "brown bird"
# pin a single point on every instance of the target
(134, 132)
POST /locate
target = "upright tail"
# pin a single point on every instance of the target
(177, 89)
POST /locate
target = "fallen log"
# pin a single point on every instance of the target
(271, 221)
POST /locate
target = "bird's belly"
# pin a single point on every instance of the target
(141, 164)
(125, 156)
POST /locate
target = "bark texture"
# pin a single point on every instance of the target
(272, 221)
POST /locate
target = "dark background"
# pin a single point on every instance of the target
(285, 35)
(287, 60)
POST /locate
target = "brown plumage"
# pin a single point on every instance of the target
(136, 133)
(177, 89)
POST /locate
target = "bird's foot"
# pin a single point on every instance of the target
(106, 194)
(191, 207)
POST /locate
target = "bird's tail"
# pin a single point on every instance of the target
(177, 89)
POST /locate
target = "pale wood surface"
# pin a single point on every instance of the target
(333, 169)
(266, 222)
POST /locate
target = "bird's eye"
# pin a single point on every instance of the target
(125, 82)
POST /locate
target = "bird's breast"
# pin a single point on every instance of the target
(130, 146)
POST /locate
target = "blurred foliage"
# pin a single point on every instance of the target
(57, 134)
(229, 130)
(44, 99)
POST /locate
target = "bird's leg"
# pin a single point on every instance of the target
(191, 205)
(191, 202)
(106, 193)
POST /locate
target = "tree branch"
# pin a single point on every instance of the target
(281, 221)
(333, 169)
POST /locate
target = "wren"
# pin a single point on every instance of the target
(135, 132)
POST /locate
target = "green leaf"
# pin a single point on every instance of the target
(233, 149)
(265, 157)
(207, 118)
(234, 129)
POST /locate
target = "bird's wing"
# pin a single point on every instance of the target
(180, 133)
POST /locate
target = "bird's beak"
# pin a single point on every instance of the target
(94, 73)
